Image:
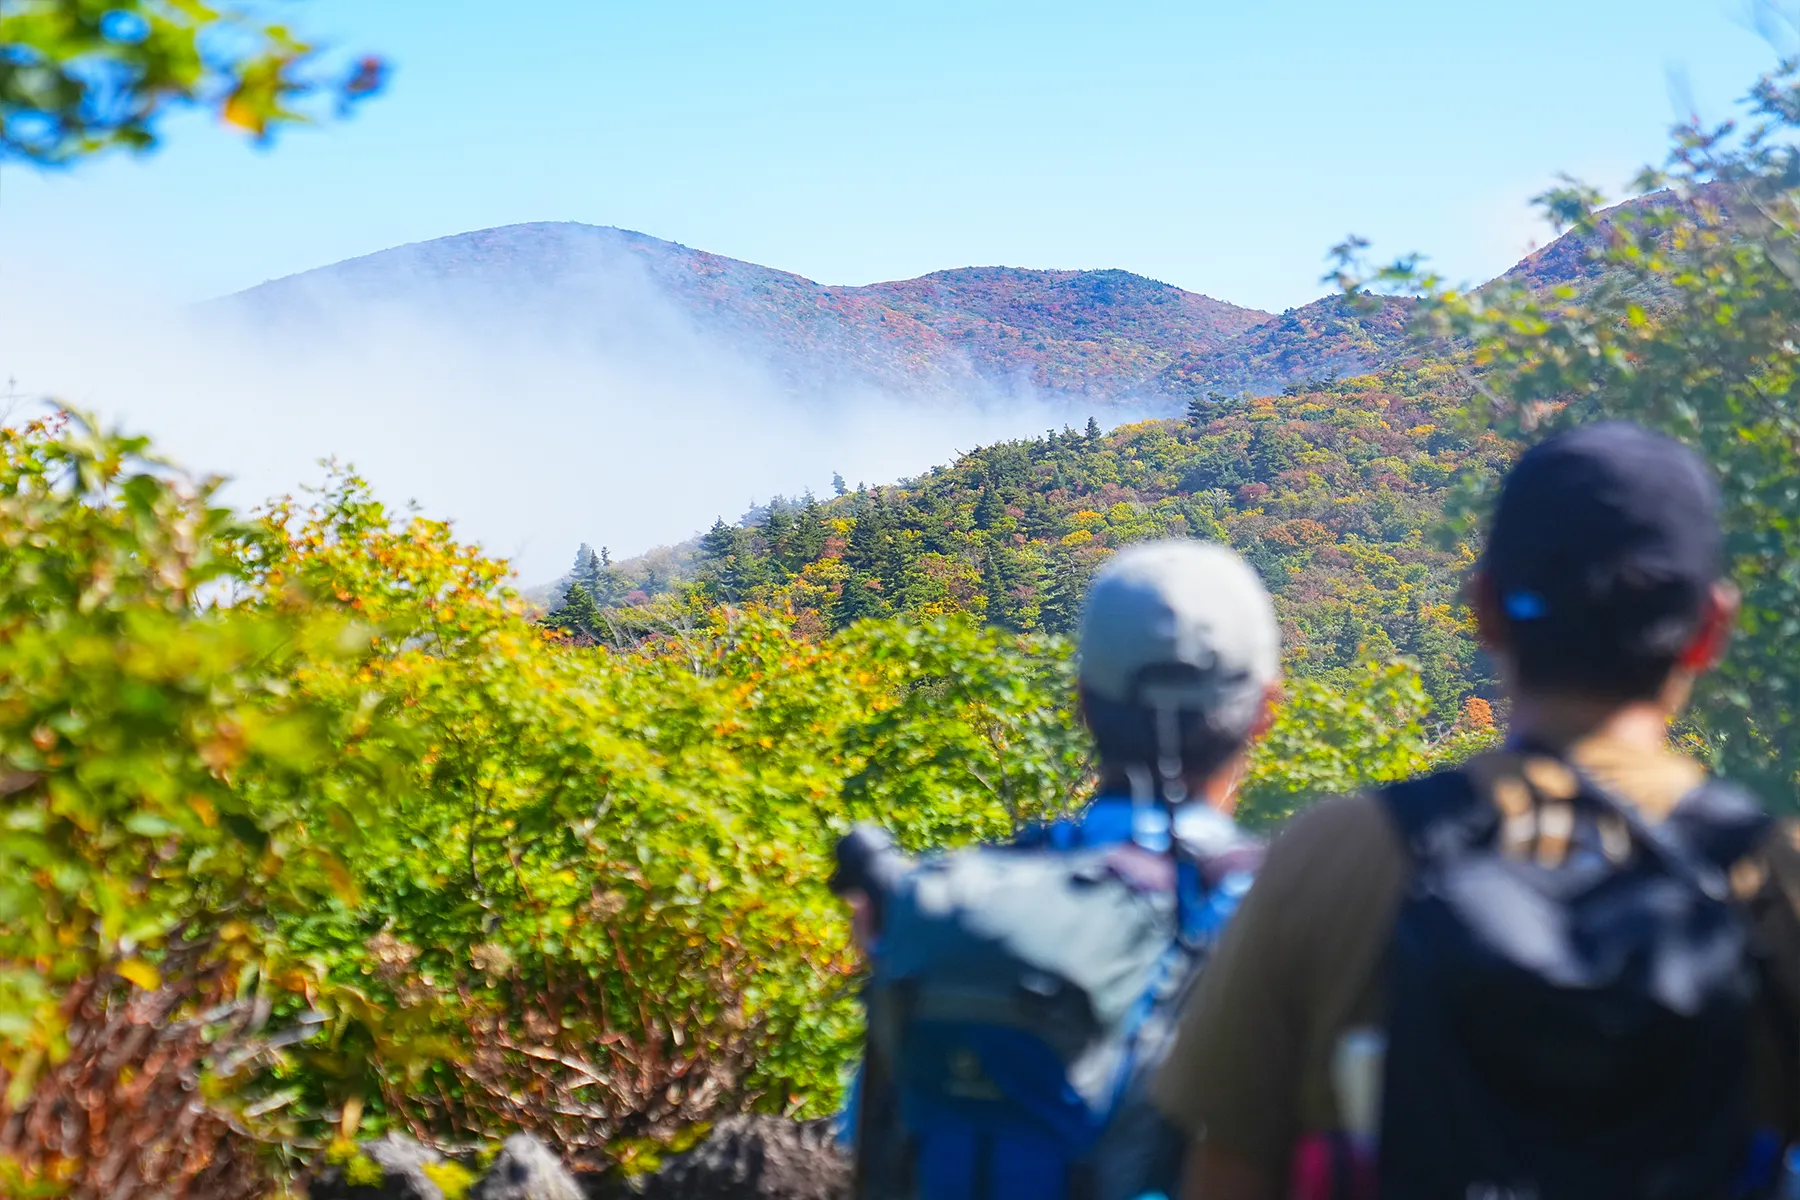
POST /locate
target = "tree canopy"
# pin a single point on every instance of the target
(79, 77)
(1683, 319)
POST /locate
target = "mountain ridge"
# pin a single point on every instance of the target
(1105, 337)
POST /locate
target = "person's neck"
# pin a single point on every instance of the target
(1218, 790)
(1559, 720)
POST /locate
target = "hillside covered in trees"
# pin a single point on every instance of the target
(1333, 492)
(1327, 445)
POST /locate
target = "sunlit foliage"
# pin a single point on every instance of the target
(318, 793)
(77, 76)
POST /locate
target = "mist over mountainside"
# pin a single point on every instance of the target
(549, 384)
(1097, 338)
(1102, 337)
(1328, 411)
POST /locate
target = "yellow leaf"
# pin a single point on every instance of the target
(140, 973)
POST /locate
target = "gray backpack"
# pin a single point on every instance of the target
(1023, 995)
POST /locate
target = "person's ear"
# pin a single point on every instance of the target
(1490, 619)
(1266, 713)
(1712, 633)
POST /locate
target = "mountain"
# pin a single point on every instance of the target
(1330, 476)
(1571, 259)
(1331, 338)
(1106, 338)
(1102, 336)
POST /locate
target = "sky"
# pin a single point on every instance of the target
(1219, 147)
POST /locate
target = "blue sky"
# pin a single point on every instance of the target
(1219, 147)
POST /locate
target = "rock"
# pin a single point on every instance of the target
(609, 1185)
(390, 1168)
(526, 1170)
(757, 1158)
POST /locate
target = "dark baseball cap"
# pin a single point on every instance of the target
(1604, 545)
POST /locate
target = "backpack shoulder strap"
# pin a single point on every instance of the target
(1768, 887)
(1720, 823)
(1438, 813)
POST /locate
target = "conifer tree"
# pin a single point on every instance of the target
(867, 556)
(1060, 611)
(1093, 430)
(898, 555)
(988, 509)
(1347, 640)
(587, 567)
(810, 531)
(1265, 456)
(777, 534)
(860, 597)
(607, 588)
(868, 537)
(730, 571)
(718, 543)
(578, 613)
(998, 581)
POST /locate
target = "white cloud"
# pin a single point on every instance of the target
(636, 433)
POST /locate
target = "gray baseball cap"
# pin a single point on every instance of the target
(1181, 624)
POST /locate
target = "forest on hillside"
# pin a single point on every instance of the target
(1335, 492)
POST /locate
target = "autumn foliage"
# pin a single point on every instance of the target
(310, 830)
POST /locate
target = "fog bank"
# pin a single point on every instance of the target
(629, 427)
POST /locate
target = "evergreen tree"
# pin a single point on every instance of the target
(861, 597)
(730, 570)
(777, 533)
(1199, 412)
(868, 556)
(741, 575)
(718, 543)
(868, 537)
(809, 533)
(586, 570)
(1000, 582)
(837, 485)
(1347, 640)
(1093, 430)
(1265, 454)
(578, 613)
(898, 555)
(988, 509)
(607, 588)
(1060, 611)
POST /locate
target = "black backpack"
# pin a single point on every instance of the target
(1576, 1028)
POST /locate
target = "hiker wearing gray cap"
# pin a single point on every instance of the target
(1180, 665)
(1021, 996)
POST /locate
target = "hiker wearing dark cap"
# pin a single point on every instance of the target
(1565, 970)
(1021, 995)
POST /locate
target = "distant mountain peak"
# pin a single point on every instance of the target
(1104, 337)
